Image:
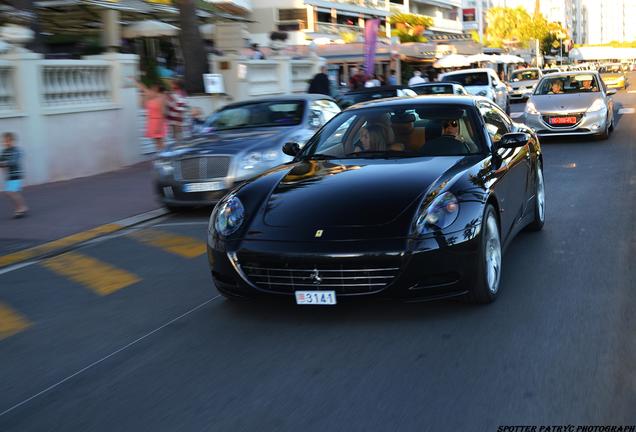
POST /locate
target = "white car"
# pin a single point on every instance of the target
(481, 82)
(523, 82)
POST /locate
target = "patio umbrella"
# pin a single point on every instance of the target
(149, 29)
(507, 58)
(481, 57)
(452, 60)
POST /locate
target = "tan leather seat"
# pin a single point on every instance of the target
(412, 137)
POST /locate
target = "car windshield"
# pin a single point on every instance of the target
(524, 75)
(468, 79)
(611, 69)
(258, 114)
(568, 84)
(433, 89)
(396, 132)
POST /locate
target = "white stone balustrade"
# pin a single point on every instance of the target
(301, 72)
(7, 88)
(76, 83)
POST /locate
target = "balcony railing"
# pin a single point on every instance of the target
(444, 24)
(370, 4)
(336, 29)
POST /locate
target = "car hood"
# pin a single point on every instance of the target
(526, 83)
(355, 193)
(232, 142)
(474, 90)
(564, 102)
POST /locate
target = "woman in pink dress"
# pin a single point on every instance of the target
(155, 104)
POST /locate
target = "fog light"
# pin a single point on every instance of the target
(595, 126)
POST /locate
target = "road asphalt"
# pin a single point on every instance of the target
(129, 333)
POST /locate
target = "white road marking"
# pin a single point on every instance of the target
(516, 114)
(626, 111)
(103, 359)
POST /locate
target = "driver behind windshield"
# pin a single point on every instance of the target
(373, 137)
(556, 87)
(587, 85)
(451, 128)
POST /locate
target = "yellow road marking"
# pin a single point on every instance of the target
(71, 240)
(11, 322)
(100, 277)
(184, 246)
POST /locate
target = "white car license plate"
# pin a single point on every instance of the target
(203, 187)
(316, 297)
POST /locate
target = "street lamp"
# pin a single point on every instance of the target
(560, 36)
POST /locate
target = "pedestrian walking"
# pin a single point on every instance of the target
(155, 104)
(177, 108)
(393, 78)
(357, 80)
(319, 84)
(417, 78)
(11, 161)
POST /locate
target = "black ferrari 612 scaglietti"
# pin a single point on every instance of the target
(409, 198)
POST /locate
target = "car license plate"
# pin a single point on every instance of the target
(562, 120)
(203, 187)
(316, 297)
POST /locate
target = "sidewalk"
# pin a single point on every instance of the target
(63, 208)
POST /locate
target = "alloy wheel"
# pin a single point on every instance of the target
(493, 254)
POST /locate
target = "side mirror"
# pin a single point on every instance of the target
(611, 92)
(291, 149)
(513, 140)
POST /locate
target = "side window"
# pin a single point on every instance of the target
(496, 124)
(335, 143)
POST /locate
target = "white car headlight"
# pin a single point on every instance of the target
(228, 216)
(441, 213)
(531, 109)
(597, 105)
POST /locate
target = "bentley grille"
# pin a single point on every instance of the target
(203, 168)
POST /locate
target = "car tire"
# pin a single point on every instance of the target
(488, 275)
(508, 106)
(539, 202)
(605, 134)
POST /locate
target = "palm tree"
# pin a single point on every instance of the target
(194, 54)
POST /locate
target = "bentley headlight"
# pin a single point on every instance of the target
(482, 93)
(531, 109)
(164, 167)
(228, 215)
(597, 105)
(440, 214)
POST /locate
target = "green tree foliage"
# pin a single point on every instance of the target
(410, 27)
(515, 26)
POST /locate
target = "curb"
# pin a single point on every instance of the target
(64, 244)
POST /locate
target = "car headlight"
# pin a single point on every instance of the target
(597, 105)
(482, 93)
(228, 215)
(164, 167)
(441, 213)
(531, 109)
(255, 160)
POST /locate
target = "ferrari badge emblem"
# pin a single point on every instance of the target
(318, 234)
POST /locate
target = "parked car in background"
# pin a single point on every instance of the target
(238, 142)
(440, 88)
(613, 75)
(373, 93)
(523, 82)
(571, 103)
(481, 82)
(549, 70)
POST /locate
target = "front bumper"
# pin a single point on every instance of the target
(591, 123)
(430, 269)
(171, 193)
(520, 94)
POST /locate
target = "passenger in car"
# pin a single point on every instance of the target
(451, 128)
(373, 137)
